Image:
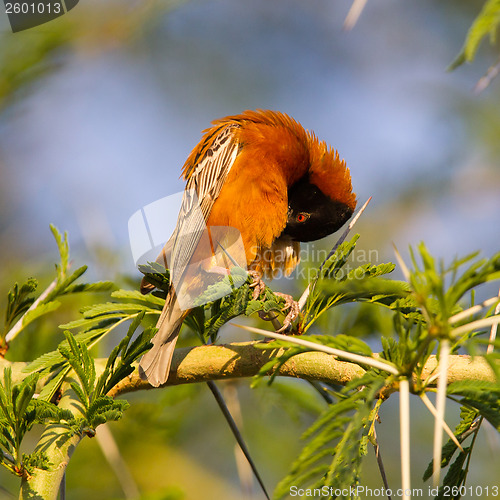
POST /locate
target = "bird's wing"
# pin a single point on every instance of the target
(204, 183)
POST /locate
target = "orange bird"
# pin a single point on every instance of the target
(264, 175)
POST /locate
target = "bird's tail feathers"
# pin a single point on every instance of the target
(155, 364)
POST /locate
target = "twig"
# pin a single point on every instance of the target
(307, 291)
(404, 428)
(401, 262)
(234, 429)
(355, 11)
(485, 80)
(245, 359)
(442, 384)
(489, 350)
(380, 463)
(446, 428)
(112, 453)
(322, 391)
(493, 332)
(14, 331)
(475, 309)
(243, 467)
(474, 325)
(356, 358)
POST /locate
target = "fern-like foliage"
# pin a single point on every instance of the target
(485, 24)
(156, 274)
(91, 391)
(335, 284)
(336, 442)
(427, 309)
(24, 307)
(31, 400)
(457, 473)
(238, 300)
(423, 309)
(19, 300)
(19, 411)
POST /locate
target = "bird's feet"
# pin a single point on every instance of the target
(291, 305)
(293, 310)
(258, 285)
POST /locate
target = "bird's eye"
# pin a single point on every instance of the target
(302, 217)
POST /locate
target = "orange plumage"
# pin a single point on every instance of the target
(263, 174)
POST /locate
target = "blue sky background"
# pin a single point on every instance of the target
(108, 132)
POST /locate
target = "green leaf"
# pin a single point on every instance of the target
(156, 274)
(115, 308)
(25, 392)
(19, 300)
(18, 413)
(467, 417)
(63, 247)
(105, 409)
(336, 443)
(139, 298)
(50, 388)
(47, 360)
(81, 362)
(64, 282)
(129, 351)
(99, 286)
(226, 286)
(338, 259)
(486, 23)
(91, 324)
(482, 395)
(84, 399)
(40, 310)
(34, 461)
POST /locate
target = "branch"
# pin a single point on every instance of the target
(16, 329)
(245, 359)
(242, 360)
(215, 362)
(58, 445)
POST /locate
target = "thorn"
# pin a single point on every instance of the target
(354, 13)
(446, 428)
(442, 384)
(356, 358)
(494, 327)
(404, 431)
(401, 262)
(303, 299)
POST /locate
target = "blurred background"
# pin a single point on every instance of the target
(100, 108)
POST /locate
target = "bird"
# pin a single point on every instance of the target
(267, 180)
